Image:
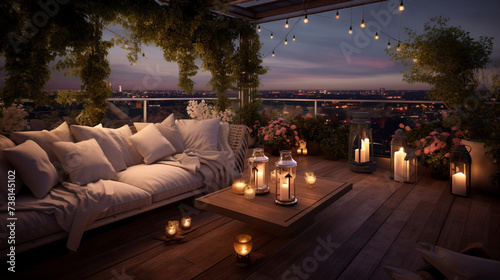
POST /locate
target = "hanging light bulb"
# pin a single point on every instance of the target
(401, 6)
(272, 35)
(293, 39)
(337, 16)
(286, 24)
(376, 36)
(259, 28)
(305, 19)
(389, 45)
(350, 29)
(273, 53)
(362, 23)
(286, 41)
(399, 47)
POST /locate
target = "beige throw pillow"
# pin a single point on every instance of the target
(151, 144)
(84, 161)
(34, 167)
(200, 135)
(169, 130)
(12, 180)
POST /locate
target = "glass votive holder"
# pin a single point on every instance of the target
(239, 186)
(243, 246)
(186, 223)
(171, 228)
(310, 178)
(249, 192)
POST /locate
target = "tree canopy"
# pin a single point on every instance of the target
(70, 33)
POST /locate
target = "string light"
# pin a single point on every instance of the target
(363, 19)
(272, 35)
(286, 24)
(337, 16)
(293, 39)
(401, 6)
(259, 28)
(273, 53)
(399, 47)
(376, 36)
(305, 19)
(286, 41)
(389, 44)
(350, 29)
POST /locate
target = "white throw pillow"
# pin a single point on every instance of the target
(130, 153)
(12, 180)
(44, 138)
(106, 140)
(168, 129)
(34, 167)
(84, 161)
(151, 144)
(200, 135)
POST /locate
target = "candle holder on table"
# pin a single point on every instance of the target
(286, 172)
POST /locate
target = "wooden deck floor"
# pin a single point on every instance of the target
(377, 223)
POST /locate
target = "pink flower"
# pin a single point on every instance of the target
(444, 113)
(428, 137)
(280, 119)
(266, 137)
(456, 141)
(447, 155)
(407, 128)
(434, 133)
(309, 116)
(454, 128)
(296, 133)
(445, 134)
(427, 150)
(278, 132)
(250, 130)
(422, 140)
(418, 125)
(401, 125)
(458, 134)
(443, 145)
(418, 152)
(293, 127)
(297, 138)
(288, 140)
(283, 129)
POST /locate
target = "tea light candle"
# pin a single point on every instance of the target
(243, 244)
(239, 187)
(310, 178)
(249, 192)
(170, 230)
(186, 223)
(304, 151)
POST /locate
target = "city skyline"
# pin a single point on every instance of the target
(323, 56)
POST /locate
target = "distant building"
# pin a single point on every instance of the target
(119, 88)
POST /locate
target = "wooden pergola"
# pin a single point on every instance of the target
(260, 11)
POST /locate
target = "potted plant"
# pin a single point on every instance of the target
(335, 142)
(279, 135)
(310, 129)
(449, 59)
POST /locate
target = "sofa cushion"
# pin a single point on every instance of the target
(125, 198)
(44, 138)
(202, 135)
(169, 130)
(7, 169)
(129, 152)
(34, 167)
(84, 161)
(151, 144)
(105, 139)
(160, 180)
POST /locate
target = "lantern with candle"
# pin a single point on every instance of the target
(398, 155)
(361, 144)
(243, 247)
(460, 161)
(286, 172)
(410, 167)
(258, 171)
(302, 150)
(186, 223)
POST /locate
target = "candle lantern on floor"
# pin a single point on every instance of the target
(258, 171)
(286, 172)
(410, 167)
(302, 150)
(361, 144)
(243, 247)
(460, 161)
(171, 228)
(398, 155)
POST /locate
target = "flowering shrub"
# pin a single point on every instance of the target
(13, 119)
(433, 147)
(310, 128)
(203, 111)
(279, 135)
(254, 128)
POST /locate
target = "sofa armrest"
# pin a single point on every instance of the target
(238, 140)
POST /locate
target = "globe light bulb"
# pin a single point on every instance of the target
(362, 23)
(350, 29)
(398, 47)
(272, 35)
(258, 28)
(305, 19)
(293, 39)
(376, 36)
(401, 6)
(286, 41)
(389, 45)
(337, 16)
(286, 24)
(273, 53)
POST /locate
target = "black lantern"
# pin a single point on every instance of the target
(460, 162)
(361, 144)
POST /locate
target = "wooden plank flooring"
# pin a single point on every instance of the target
(377, 223)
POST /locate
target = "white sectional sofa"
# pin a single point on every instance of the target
(138, 173)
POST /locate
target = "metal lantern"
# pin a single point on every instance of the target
(361, 144)
(410, 167)
(286, 172)
(398, 154)
(243, 246)
(258, 171)
(460, 162)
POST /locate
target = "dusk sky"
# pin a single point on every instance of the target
(316, 60)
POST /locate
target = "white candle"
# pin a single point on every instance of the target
(399, 158)
(356, 155)
(259, 175)
(239, 187)
(458, 184)
(284, 191)
(249, 192)
(365, 150)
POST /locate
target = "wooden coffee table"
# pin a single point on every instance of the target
(263, 213)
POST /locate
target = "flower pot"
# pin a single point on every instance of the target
(252, 141)
(482, 166)
(313, 148)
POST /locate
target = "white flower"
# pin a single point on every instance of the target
(203, 111)
(13, 118)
